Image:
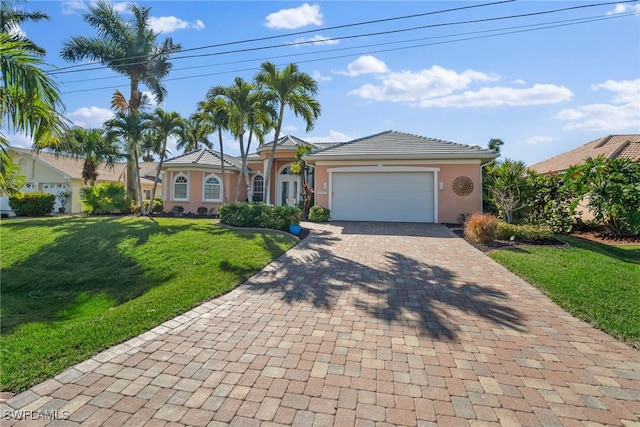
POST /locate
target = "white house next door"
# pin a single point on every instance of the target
(288, 188)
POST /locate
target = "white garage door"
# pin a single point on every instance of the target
(383, 196)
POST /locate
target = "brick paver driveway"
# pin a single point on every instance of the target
(360, 324)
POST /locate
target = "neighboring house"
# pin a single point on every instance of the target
(53, 173)
(611, 147)
(390, 176)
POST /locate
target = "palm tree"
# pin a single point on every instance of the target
(10, 20)
(163, 125)
(93, 147)
(495, 144)
(289, 88)
(129, 129)
(300, 167)
(246, 110)
(215, 112)
(194, 134)
(130, 49)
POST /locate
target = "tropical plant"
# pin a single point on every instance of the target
(551, 202)
(92, 146)
(195, 134)
(129, 48)
(612, 187)
(214, 112)
(290, 88)
(32, 204)
(29, 99)
(104, 198)
(506, 187)
(129, 129)
(319, 214)
(299, 167)
(495, 144)
(481, 228)
(162, 125)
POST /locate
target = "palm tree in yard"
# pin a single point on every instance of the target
(128, 48)
(163, 125)
(495, 144)
(195, 134)
(130, 130)
(93, 147)
(290, 88)
(215, 112)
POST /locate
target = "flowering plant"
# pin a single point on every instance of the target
(294, 220)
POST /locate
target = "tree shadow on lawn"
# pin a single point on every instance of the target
(83, 273)
(405, 291)
(618, 253)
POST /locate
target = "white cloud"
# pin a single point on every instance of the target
(289, 128)
(365, 64)
(295, 17)
(73, 7)
(539, 140)
(169, 24)
(622, 8)
(623, 111)
(319, 77)
(407, 86)
(334, 136)
(90, 117)
(316, 40)
(625, 90)
(538, 94)
(519, 82)
(19, 140)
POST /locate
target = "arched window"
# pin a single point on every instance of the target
(285, 171)
(258, 188)
(180, 187)
(212, 188)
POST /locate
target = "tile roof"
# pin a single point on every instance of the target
(611, 146)
(287, 141)
(398, 145)
(72, 166)
(204, 157)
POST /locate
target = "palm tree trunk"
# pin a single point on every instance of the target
(155, 181)
(224, 187)
(272, 154)
(139, 182)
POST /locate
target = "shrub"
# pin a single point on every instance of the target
(105, 198)
(481, 228)
(156, 206)
(257, 215)
(32, 204)
(551, 202)
(319, 214)
(177, 210)
(134, 208)
(523, 233)
(202, 211)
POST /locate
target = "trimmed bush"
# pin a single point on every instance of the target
(105, 198)
(481, 228)
(32, 204)
(258, 215)
(319, 214)
(156, 206)
(523, 233)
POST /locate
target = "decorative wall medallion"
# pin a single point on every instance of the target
(462, 186)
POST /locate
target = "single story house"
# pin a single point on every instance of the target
(610, 146)
(389, 176)
(53, 173)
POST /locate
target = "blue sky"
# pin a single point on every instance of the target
(543, 83)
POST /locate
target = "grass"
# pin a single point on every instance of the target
(71, 287)
(595, 282)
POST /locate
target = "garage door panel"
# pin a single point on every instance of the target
(385, 196)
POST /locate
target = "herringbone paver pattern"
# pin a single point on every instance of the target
(361, 324)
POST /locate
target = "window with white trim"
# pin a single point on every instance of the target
(180, 187)
(258, 188)
(212, 188)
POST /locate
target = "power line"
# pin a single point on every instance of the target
(515, 30)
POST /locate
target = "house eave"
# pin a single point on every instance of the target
(484, 158)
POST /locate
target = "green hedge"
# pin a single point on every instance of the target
(259, 215)
(32, 204)
(523, 233)
(319, 214)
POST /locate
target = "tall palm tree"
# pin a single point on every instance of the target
(130, 49)
(290, 88)
(215, 112)
(93, 147)
(10, 19)
(194, 134)
(163, 125)
(495, 144)
(129, 129)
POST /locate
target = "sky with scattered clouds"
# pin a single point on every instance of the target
(542, 76)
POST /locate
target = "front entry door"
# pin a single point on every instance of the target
(288, 188)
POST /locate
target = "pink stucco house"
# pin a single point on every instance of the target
(389, 176)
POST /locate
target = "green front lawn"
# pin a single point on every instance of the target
(595, 282)
(71, 287)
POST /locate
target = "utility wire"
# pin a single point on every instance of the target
(515, 30)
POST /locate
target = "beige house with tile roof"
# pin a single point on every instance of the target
(611, 147)
(53, 173)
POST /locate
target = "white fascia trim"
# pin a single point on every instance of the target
(385, 169)
(397, 162)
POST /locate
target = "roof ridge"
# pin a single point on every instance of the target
(604, 141)
(615, 153)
